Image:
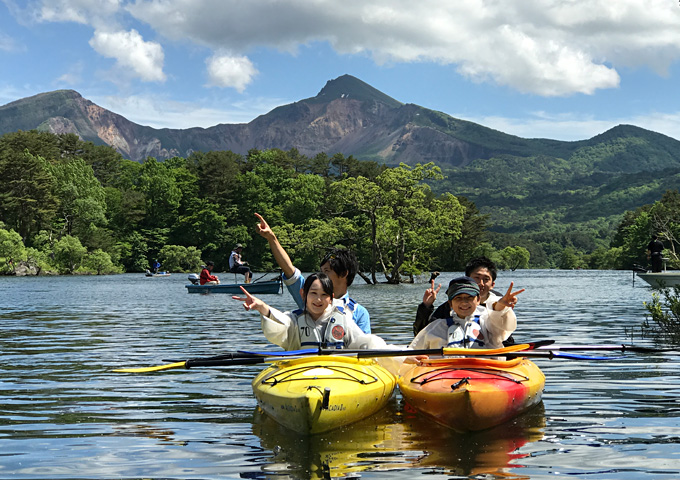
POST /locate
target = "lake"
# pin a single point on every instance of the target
(66, 415)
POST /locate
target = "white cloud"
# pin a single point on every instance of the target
(230, 71)
(132, 53)
(79, 11)
(72, 77)
(572, 127)
(160, 112)
(546, 47)
(8, 44)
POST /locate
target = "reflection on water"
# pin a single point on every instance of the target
(397, 440)
(65, 414)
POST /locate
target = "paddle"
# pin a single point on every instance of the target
(252, 358)
(229, 362)
(622, 348)
(245, 358)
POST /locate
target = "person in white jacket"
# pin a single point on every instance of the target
(320, 324)
(468, 326)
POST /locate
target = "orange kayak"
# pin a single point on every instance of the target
(469, 394)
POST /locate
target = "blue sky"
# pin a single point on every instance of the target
(560, 69)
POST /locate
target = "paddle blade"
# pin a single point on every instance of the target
(157, 368)
(549, 354)
(488, 351)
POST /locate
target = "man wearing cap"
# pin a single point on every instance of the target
(482, 270)
(236, 263)
(466, 326)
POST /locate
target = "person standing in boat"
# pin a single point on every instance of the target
(655, 253)
(482, 270)
(466, 326)
(207, 278)
(340, 265)
(236, 263)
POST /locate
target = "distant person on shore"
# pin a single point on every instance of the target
(207, 278)
(340, 265)
(236, 263)
(655, 253)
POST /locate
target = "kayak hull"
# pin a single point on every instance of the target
(470, 394)
(318, 394)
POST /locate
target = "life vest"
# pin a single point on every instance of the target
(466, 335)
(347, 302)
(333, 336)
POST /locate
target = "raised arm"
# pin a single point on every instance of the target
(252, 303)
(280, 255)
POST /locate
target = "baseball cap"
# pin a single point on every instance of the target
(462, 285)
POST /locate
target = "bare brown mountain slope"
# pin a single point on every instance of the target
(347, 116)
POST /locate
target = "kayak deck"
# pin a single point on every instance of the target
(322, 393)
(469, 394)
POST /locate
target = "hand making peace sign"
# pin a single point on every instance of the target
(252, 303)
(509, 299)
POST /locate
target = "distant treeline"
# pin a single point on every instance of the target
(70, 206)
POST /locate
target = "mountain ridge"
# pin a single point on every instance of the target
(347, 115)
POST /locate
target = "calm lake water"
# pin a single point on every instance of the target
(65, 415)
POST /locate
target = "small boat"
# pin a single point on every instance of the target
(256, 288)
(321, 393)
(157, 274)
(663, 279)
(470, 394)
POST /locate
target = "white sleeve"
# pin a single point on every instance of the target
(500, 325)
(432, 336)
(279, 328)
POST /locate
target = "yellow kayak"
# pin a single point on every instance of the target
(469, 394)
(321, 393)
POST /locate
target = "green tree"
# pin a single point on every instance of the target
(162, 193)
(100, 262)
(514, 257)
(176, 258)
(571, 259)
(38, 260)
(132, 251)
(11, 250)
(68, 254)
(82, 203)
(407, 225)
(27, 200)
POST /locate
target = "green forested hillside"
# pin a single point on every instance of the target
(561, 210)
(546, 201)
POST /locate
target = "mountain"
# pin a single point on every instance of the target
(534, 191)
(346, 116)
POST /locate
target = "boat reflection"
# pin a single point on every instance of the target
(397, 439)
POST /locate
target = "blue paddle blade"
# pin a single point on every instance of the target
(289, 353)
(550, 354)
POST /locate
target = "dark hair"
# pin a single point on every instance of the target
(209, 263)
(342, 261)
(326, 285)
(481, 262)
